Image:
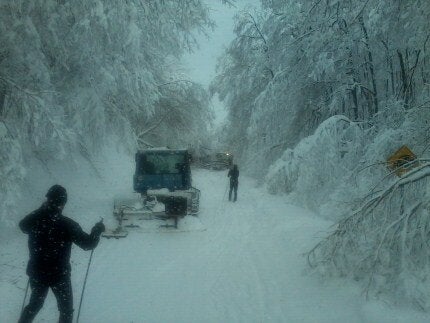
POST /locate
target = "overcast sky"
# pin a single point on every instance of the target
(201, 64)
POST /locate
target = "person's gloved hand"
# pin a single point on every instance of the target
(98, 228)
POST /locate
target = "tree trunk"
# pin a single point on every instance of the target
(3, 89)
(371, 67)
(404, 81)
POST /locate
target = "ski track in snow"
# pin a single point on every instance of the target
(247, 266)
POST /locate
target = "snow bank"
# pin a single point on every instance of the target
(319, 164)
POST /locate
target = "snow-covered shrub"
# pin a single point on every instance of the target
(382, 236)
(384, 243)
(313, 170)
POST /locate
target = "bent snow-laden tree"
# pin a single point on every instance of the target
(76, 75)
(385, 242)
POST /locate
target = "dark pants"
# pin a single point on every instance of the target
(62, 289)
(233, 187)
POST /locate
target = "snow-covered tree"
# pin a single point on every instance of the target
(299, 62)
(77, 75)
(325, 92)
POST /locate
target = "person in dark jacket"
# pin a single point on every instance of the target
(50, 238)
(234, 182)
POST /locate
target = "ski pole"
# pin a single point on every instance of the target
(85, 283)
(25, 296)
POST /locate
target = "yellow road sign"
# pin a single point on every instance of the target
(402, 161)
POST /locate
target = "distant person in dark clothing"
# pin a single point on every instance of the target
(234, 182)
(50, 238)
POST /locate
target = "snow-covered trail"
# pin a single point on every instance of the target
(247, 266)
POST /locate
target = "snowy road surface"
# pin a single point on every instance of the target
(246, 266)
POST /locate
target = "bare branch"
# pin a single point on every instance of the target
(360, 12)
(26, 91)
(155, 125)
(176, 81)
(258, 29)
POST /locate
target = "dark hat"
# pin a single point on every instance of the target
(57, 194)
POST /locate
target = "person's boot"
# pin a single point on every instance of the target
(27, 316)
(66, 317)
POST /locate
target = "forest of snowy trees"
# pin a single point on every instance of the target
(75, 76)
(320, 94)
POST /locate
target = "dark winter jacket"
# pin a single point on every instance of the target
(234, 175)
(50, 238)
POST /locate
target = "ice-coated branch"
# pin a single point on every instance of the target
(154, 126)
(382, 241)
